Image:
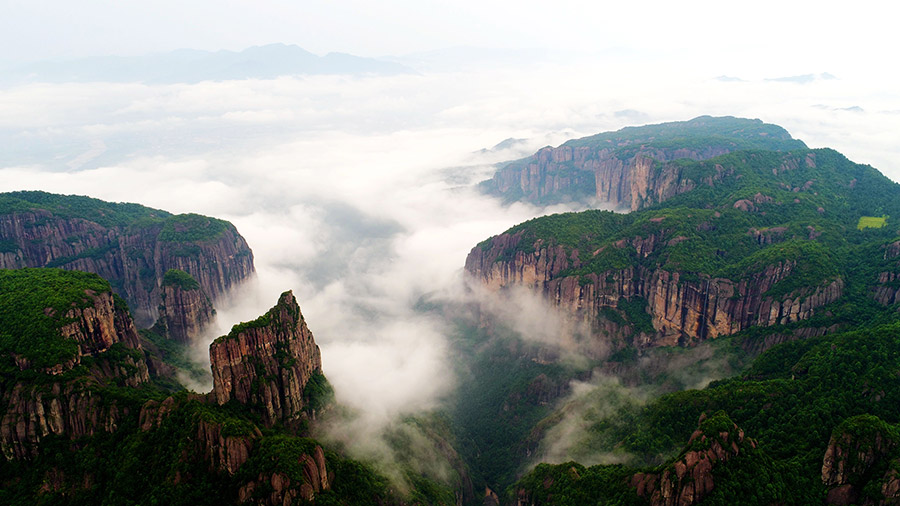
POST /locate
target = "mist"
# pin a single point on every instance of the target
(357, 192)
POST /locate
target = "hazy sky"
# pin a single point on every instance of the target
(763, 36)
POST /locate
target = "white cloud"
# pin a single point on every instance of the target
(352, 191)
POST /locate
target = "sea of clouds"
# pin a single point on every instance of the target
(357, 192)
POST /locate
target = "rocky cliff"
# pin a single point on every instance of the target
(131, 246)
(681, 308)
(887, 290)
(689, 479)
(267, 363)
(59, 396)
(860, 464)
(628, 169)
(185, 310)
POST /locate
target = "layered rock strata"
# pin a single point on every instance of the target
(689, 479)
(132, 258)
(185, 311)
(682, 309)
(267, 363)
(860, 463)
(62, 406)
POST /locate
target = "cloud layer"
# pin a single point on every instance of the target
(355, 192)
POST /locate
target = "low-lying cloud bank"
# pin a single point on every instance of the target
(356, 192)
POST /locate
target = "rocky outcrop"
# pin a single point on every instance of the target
(277, 488)
(682, 309)
(887, 289)
(267, 363)
(689, 479)
(630, 169)
(109, 347)
(573, 173)
(132, 257)
(862, 450)
(185, 310)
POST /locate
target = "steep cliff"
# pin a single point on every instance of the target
(267, 363)
(769, 239)
(130, 245)
(63, 337)
(629, 169)
(861, 463)
(887, 290)
(185, 310)
(690, 478)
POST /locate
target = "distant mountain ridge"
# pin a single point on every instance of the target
(622, 168)
(193, 66)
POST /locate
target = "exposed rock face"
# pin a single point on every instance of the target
(267, 363)
(887, 291)
(682, 310)
(689, 479)
(630, 168)
(316, 479)
(34, 410)
(630, 183)
(133, 259)
(862, 450)
(185, 312)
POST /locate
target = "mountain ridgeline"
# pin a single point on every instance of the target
(627, 169)
(743, 251)
(84, 423)
(131, 246)
(782, 258)
(763, 239)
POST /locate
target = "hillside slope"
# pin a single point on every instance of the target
(621, 169)
(130, 245)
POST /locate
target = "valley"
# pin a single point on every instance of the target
(725, 334)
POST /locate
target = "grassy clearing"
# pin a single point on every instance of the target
(871, 222)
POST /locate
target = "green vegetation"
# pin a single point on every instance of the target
(802, 213)
(791, 401)
(264, 320)
(107, 214)
(180, 279)
(701, 132)
(33, 307)
(192, 228)
(871, 222)
(574, 180)
(318, 393)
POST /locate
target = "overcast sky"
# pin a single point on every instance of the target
(765, 36)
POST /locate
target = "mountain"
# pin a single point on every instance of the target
(755, 239)
(131, 246)
(777, 262)
(193, 66)
(84, 423)
(627, 169)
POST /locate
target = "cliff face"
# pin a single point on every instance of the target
(862, 451)
(689, 479)
(109, 347)
(681, 310)
(267, 363)
(223, 449)
(133, 258)
(278, 488)
(572, 173)
(185, 312)
(887, 290)
(629, 169)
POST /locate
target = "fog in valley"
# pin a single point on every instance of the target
(357, 191)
